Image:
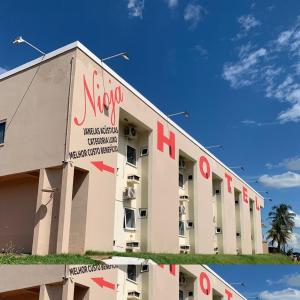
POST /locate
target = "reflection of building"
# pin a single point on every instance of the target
(87, 163)
(126, 282)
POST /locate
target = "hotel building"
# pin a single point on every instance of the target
(111, 282)
(88, 163)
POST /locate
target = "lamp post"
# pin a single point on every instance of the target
(214, 146)
(19, 40)
(184, 113)
(122, 54)
(238, 167)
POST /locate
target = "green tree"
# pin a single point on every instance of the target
(282, 226)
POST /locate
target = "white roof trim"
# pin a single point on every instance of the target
(80, 46)
(225, 282)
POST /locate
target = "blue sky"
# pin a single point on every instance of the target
(234, 65)
(267, 282)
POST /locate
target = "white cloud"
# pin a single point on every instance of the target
(172, 3)
(294, 242)
(258, 124)
(292, 164)
(276, 70)
(292, 280)
(2, 70)
(135, 8)
(193, 13)
(286, 294)
(243, 73)
(201, 50)
(297, 221)
(291, 114)
(248, 22)
(285, 180)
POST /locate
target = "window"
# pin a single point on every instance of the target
(131, 272)
(181, 296)
(181, 180)
(131, 155)
(2, 131)
(181, 228)
(129, 219)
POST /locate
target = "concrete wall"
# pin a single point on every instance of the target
(85, 133)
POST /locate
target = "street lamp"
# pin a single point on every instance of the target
(19, 40)
(184, 113)
(214, 146)
(238, 283)
(122, 54)
(238, 167)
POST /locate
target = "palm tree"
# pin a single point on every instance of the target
(282, 225)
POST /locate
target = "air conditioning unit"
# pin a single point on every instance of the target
(143, 213)
(218, 192)
(181, 164)
(129, 193)
(216, 250)
(133, 178)
(251, 209)
(144, 268)
(184, 198)
(181, 210)
(189, 224)
(130, 132)
(238, 234)
(133, 295)
(144, 151)
(185, 249)
(218, 230)
(182, 279)
(236, 202)
(132, 246)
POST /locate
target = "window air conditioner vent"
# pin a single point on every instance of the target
(133, 178)
(133, 295)
(185, 249)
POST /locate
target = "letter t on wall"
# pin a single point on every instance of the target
(229, 180)
(162, 139)
(228, 294)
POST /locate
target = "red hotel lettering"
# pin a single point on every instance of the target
(205, 288)
(162, 139)
(111, 98)
(173, 269)
(228, 294)
(245, 194)
(203, 160)
(229, 180)
(256, 203)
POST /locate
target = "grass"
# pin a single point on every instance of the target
(47, 259)
(166, 258)
(93, 257)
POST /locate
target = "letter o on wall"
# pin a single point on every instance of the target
(204, 170)
(204, 283)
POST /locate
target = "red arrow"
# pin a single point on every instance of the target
(103, 283)
(102, 167)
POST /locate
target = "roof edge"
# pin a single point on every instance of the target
(90, 54)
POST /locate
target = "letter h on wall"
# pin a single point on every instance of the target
(162, 139)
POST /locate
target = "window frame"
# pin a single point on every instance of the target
(181, 187)
(4, 133)
(136, 274)
(125, 219)
(128, 162)
(183, 226)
